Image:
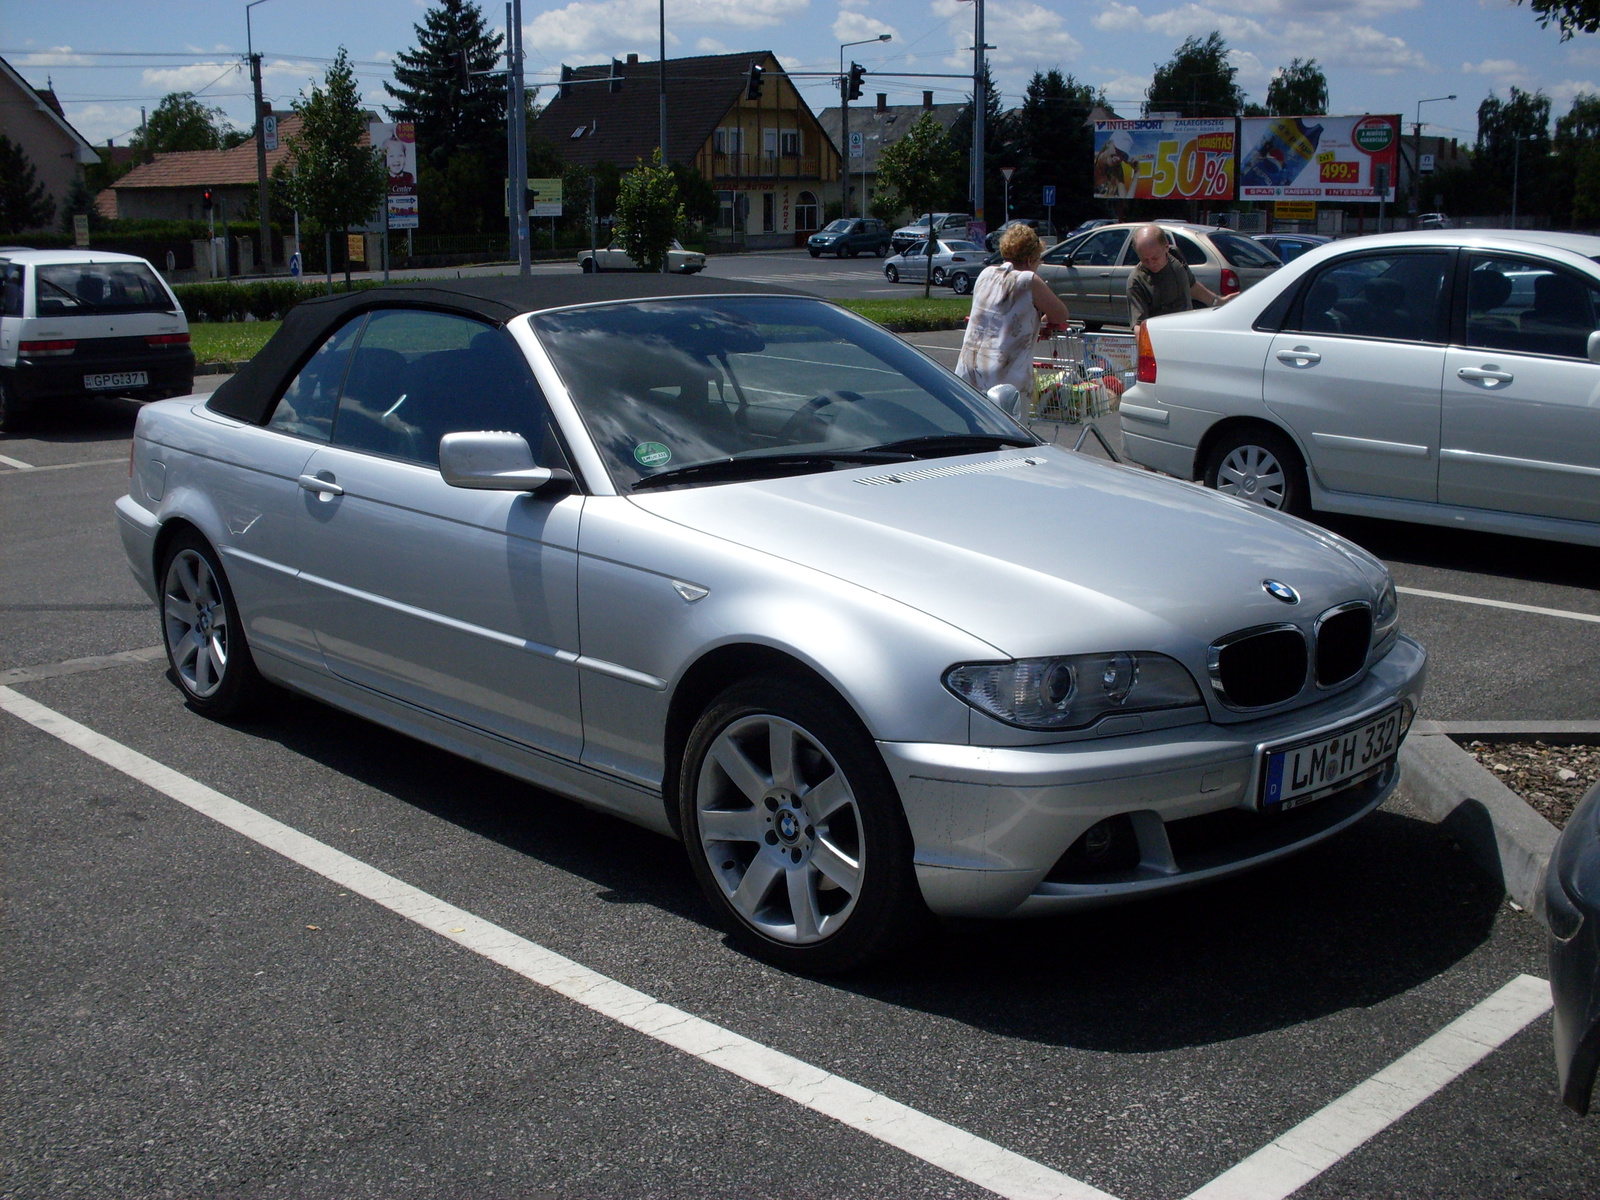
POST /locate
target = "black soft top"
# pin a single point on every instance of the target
(250, 394)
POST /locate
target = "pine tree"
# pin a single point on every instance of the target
(1054, 144)
(23, 202)
(451, 115)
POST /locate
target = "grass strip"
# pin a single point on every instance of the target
(914, 314)
(232, 342)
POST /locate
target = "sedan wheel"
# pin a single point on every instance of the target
(588, 266)
(202, 631)
(1261, 466)
(961, 283)
(938, 277)
(794, 828)
(892, 273)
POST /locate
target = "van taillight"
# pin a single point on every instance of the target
(46, 349)
(168, 339)
(1230, 282)
(1147, 356)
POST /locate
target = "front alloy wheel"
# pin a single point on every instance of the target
(794, 828)
(891, 273)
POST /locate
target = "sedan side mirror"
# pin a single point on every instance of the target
(496, 462)
(1007, 399)
(1594, 346)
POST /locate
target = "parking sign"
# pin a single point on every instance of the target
(1049, 195)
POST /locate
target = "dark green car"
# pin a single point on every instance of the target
(850, 236)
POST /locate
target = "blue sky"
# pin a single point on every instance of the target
(1379, 55)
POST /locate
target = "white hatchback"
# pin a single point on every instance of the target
(77, 323)
(1450, 377)
(615, 258)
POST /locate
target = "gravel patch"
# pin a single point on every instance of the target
(1552, 779)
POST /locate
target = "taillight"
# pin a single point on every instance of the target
(168, 339)
(1230, 282)
(46, 349)
(1147, 356)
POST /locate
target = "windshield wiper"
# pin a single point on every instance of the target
(73, 296)
(755, 465)
(940, 445)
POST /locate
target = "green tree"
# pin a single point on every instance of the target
(461, 121)
(919, 167)
(23, 202)
(1572, 16)
(997, 152)
(1054, 146)
(649, 213)
(181, 122)
(1300, 89)
(1504, 125)
(1198, 81)
(336, 181)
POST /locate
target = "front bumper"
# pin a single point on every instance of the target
(138, 527)
(992, 825)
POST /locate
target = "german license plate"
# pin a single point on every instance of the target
(116, 379)
(1307, 772)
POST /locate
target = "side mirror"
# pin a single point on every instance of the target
(495, 462)
(1594, 346)
(1007, 399)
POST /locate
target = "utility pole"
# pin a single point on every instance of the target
(520, 182)
(511, 143)
(844, 137)
(664, 160)
(979, 106)
(262, 201)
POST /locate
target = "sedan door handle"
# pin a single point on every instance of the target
(1300, 356)
(323, 487)
(1487, 376)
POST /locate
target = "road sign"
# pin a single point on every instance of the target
(858, 146)
(403, 213)
(1427, 164)
(546, 195)
(1049, 195)
(1008, 172)
(269, 131)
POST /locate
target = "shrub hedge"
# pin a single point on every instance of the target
(265, 299)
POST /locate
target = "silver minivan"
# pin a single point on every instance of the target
(76, 323)
(1090, 272)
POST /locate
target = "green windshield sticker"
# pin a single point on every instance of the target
(652, 454)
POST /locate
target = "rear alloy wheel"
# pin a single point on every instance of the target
(794, 828)
(961, 283)
(1262, 466)
(892, 273)
(203, 634)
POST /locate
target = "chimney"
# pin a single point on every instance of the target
(927, 100)
(883, 101)
(633, 61)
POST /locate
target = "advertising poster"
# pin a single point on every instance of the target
(1170, 159)
(1316, 158)
(546, 197)
(398, 144)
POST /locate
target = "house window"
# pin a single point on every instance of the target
(769, 212)
(724, 208)
(791, 143)
(769, 142)
(805, 212)
(728, 141)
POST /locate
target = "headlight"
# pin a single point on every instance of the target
(1385, 617)
(1072, 692)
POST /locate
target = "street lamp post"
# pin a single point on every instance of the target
(844, 128)
(261, 141)
(1516, 170)
(1416, 148)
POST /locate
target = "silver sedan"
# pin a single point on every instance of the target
(914, 265)
(752, 572)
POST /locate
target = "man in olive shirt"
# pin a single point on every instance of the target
(1162, 283)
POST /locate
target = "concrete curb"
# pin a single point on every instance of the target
(1493, 824)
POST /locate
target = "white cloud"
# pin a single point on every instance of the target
(56, 56)
(188, 78)
(97, 122)
(1358, 47)
(1188, 20)
(1562, 94)
(593, 27)
(1341, 8)
(709, 45)
(1126, 90)
(854, 27)
(1502, 68)
(1020, 30)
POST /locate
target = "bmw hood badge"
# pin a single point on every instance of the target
(1280, 591)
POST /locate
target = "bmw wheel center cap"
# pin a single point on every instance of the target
(1280, 591)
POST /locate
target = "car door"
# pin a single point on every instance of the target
(1355, 372)
(916, 262)
(1521, 420)
(1081, 274)
(457, 601)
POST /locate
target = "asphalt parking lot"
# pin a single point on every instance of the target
(305, 956)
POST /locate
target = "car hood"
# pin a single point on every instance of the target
(1040, 551)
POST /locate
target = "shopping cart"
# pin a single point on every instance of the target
(1079, 379)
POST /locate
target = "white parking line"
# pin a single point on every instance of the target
(1527, 608)
(15, 464)
(1289, 1162)
(954, 1150)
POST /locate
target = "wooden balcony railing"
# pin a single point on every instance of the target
(766, 166)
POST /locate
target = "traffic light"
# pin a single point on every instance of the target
(614, 83)
(857, 74)
(463, 68)
(752, 87)
(205, 201)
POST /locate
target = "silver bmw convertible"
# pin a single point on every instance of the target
(748, 570)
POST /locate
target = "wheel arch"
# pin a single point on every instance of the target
(1228, 425)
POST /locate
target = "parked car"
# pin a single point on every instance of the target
(1446, 377)
(914, 265)
(1572, 913)
(615, 258)
(944, 225)
(960, 279)
(850, 236)
(77, 323)
(1290, 246)
(1091, 223)
(1042, 227)
(1434, 221)
(1090, 272)
(747, 569)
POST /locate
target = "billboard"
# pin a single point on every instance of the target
(546, 196)
(1316, 158)
(1167, 159)
(398, 144)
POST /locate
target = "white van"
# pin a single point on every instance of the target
(77, 323)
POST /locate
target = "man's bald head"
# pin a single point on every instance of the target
(1150, 244)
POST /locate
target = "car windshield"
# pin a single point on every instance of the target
(665, 384)
(836, 227)
(1243, 251)
(79, 288)
(960, 246)
(919, 223)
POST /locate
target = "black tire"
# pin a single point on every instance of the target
(892, 273)
(815, 253)
(840, 250)
(849, 863)
(588, 266)
(939, 276)
(883, 250)
(961, 283)
(1259, 464)
(219, 678)
(13, 413)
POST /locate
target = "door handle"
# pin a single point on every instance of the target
(323, 487)
(1105, 274)
(1488, 376)
(1300, 356)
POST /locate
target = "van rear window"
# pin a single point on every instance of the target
(77, 289)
